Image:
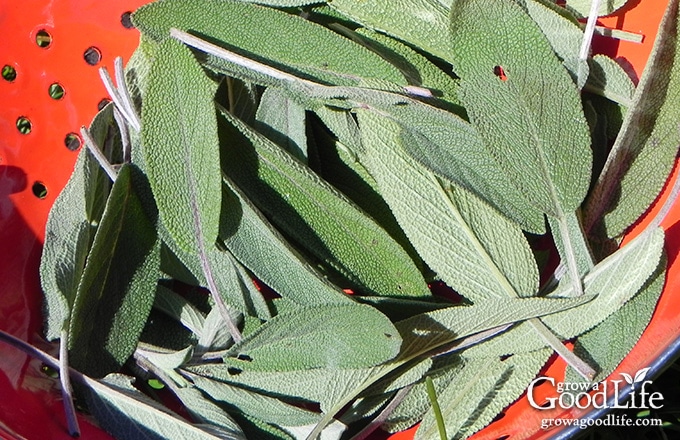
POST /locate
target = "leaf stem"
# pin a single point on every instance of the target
(126, 100)
(66, 390)
(570, 255)
(51, 362)
(587, 38)
(575, 362)
(98, 154)
(432, 395)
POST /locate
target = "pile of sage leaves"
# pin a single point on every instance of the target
(375, 146)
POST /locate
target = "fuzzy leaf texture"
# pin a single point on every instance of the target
(614, 281)
(352, 336)
(607, 344)
(72, 224)
(544, 148)
(179, 133)
(258, 245)
(582, 7)
(645, 150)
(334, 388)
(272, 36)
(125, 412)
(118, 284)
(320, 219)
(481, 390)
(467, 243)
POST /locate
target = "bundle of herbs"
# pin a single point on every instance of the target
(367, 145)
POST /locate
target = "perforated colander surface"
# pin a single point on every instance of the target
(50, 53)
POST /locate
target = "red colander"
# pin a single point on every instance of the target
(50, 86)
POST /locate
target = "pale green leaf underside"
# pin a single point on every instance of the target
(582, 7)
(127, 413)
(480, 390)
(608, 343)
(468, 244)
(615, 281)
(282, 120)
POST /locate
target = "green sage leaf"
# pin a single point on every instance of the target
(645, 150)
(117, 288)
(308, 49)
(317, 216)
(125, 412)
(320, 337)
(72, 224)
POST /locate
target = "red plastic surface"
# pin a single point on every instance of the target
(29, 404)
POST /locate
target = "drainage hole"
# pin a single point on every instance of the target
(24, 125)
(92, 56)
(43, 38)
(56, 91)
(126, 20)
(39, 190)
(9, 73)
(72, 141)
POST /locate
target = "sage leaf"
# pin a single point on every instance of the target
(117, 288)
(212, 417)
(581, 8)
(179, 308)
(645, 150)
(319, 217)
(263, 407)
(351, 336)
(416, 68)
(335, 59)
(181, 148)
(418, 22)
(334, 388)
(607, 78)
(282, 120)
(607, 344)
(455, 233)
(614, 281)
(480, 390)
(256, 244)
(125, 412)
(545, 149)
(72, 224)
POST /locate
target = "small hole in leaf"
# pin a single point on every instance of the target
(43, 38)
(234, 371)
(126, 20)
(387, 335)
(101, 104)
(244, 357)
(9, 73)
(39, 190)
(56, 91)
(72, 141)
(505, 357)
(92, 56)
(24, 125)
(500, 73)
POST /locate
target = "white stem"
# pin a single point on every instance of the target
(66, 389)
(125, 95)
(98, 155)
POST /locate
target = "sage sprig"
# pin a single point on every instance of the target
(292, 152)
